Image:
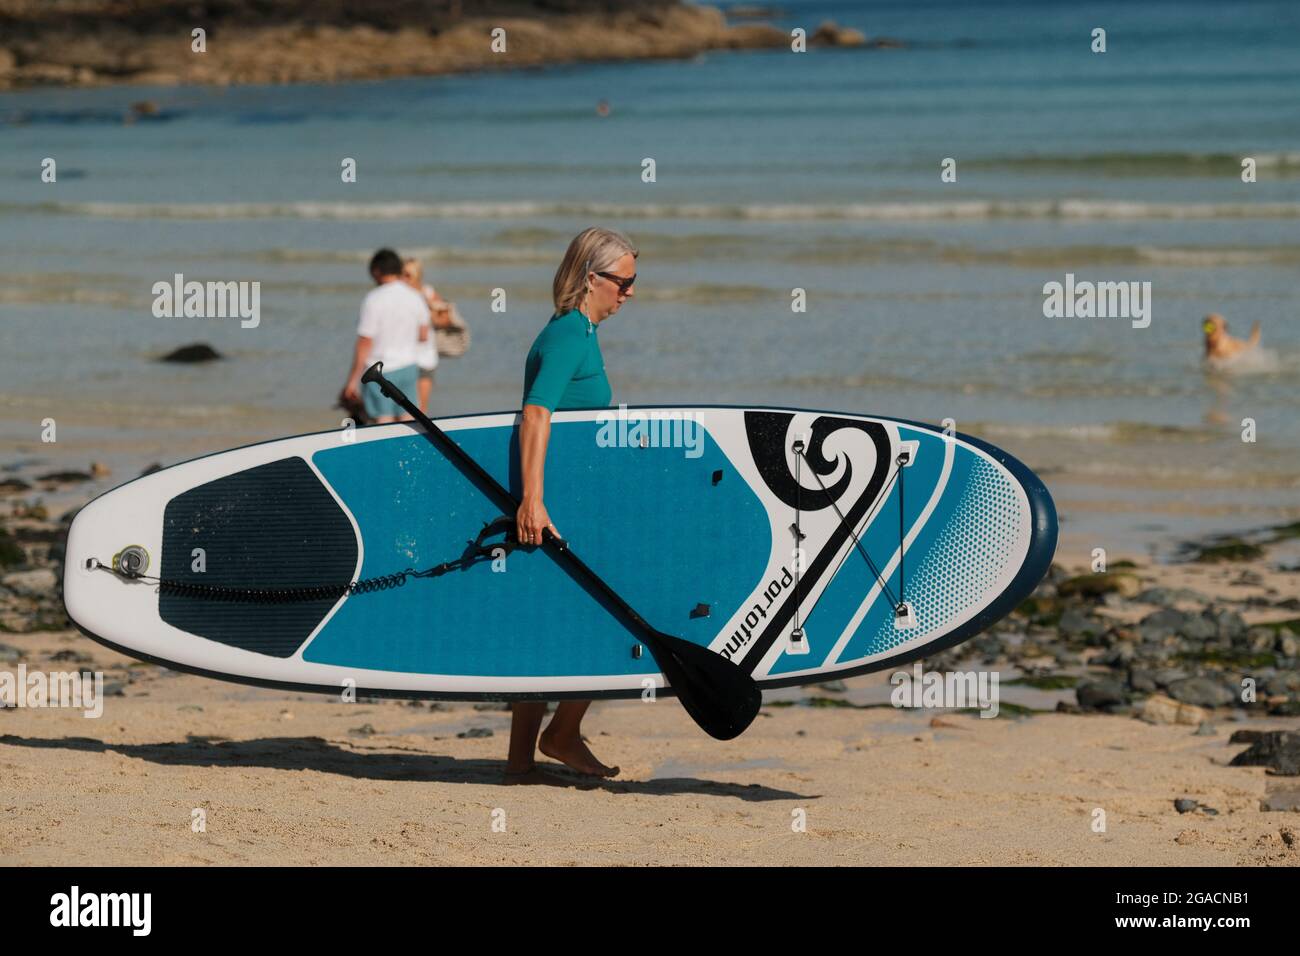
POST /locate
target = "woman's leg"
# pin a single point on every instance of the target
(562, 740)
(525, 721)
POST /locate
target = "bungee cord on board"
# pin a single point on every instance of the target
(898, 603)
(476, 551)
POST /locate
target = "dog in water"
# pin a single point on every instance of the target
(1219, 345)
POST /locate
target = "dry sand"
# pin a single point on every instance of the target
(288, 779)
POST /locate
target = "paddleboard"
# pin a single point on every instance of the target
(801, 545)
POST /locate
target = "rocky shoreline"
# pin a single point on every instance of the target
(94, 43)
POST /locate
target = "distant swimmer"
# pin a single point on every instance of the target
(1219, 345)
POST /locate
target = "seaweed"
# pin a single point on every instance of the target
(1045, 682)
(11, 552)
(1228, 657)
(1276, 626)
(1098, 585)
(1044, 611)
(1285, 532)
(1007, 709)
(1228, 549)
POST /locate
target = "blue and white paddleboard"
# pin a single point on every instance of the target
(882, 542)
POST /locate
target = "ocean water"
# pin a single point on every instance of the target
(775, 171)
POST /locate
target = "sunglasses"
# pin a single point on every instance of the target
(624, 282)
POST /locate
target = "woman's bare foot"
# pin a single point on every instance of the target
(573, 753)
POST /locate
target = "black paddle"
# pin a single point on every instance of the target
(718, 695)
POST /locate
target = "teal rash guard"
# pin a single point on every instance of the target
(564, 368)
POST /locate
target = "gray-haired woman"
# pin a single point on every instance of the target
(565, 369)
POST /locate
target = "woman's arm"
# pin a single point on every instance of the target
(559, 359)
(534, 435)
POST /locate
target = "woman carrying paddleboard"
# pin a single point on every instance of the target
(564, 369)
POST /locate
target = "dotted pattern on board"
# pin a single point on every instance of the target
(965, 561)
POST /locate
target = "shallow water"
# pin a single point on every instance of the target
(775, 172)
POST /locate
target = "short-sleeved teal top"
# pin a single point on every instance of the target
(564, 368)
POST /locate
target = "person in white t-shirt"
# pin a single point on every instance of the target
(439, 313)
(394, 323)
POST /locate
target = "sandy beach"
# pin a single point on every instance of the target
(307, 780)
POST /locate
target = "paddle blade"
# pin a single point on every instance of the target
(718, 695)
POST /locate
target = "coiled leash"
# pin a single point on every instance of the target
(129, 566)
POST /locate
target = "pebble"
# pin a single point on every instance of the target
(1142, 679)
(1077, 622)
(1101, 694)
(1121, 655)
(1159, 709)
(198, 352)
(1230, 624)
(1169, 622)
(1167, 597)
(38, 582)
(1201, 692)
(1260, 639)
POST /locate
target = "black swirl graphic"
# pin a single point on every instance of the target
(768, 436)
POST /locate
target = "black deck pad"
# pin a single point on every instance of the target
(270, 527)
